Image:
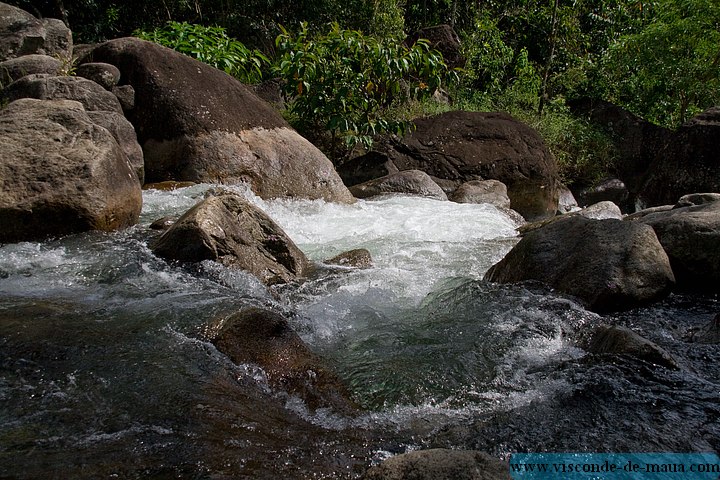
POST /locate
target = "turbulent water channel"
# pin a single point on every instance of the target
(105, 367)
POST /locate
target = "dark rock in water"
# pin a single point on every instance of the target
(61, 173)
(20, 33)
(609, 264)
(357, 258)
(45, 87)
(440, 464)
(265, 338)
(493, 192)
(163, 223)
(104, 74)
(691, 238)
(623, 341)
(16, 68)
(167, 186)
(463, 146)
(612, 190)
(708, 334)
(196, 123)
(413, 182)
(690, 162)
(230, 230)
(444, 39)
(124, 134)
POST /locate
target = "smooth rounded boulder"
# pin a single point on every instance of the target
(493, 192)
(61, 173)
(16, 68)
(409, 182)
(228, 229)
(691, 238)
(20, 33)
(609, 265)
(457, 147)
(196, 123)
(264, 338)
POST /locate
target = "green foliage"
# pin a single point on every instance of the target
(670, 69)
(210, 45)
(495, 70)
(343, 81)
(387, 20)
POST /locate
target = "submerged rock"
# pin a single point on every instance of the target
(440, 464)
(412, 182)
(609, 264)
(264, 338)
(230, 230)
(61, 173)
(357, 258)
(196, 123)
(708, 334)
(623, 341)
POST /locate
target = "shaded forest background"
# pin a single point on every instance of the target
(659, 59)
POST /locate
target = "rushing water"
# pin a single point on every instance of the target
(105, 371)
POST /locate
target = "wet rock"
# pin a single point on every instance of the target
(690, 162)
(45, 87)
(196, 123)
(167, 186)
(230, 230)
(608, 264)
(104, 74)
(623, 341)
(440, 464)
(264, 338)
(163, 223)
(482, 191)
(20, 33)
(124, 134)
(357, 258)
(412, 182)
(464, 146)
(16, 68)
(691, 238)
(61, 173)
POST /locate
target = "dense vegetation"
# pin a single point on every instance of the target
(348, 74)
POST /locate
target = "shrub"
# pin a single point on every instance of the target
(343, 82)
(210, 45)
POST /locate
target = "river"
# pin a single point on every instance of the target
(106, 371)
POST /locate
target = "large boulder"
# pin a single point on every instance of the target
(411, 182)
(104, 74)
(230, 230)
(58, 39)
(16, 68)
(440, 464)
(20, 33)
(264, 338)
(689, 163)
(691, 238)
(608, 264)
(124, 134)
(61, 173)
(46, 87)
(493, 192)
(609, 190)
(458, 147)
(197, 123)
(444, 39)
